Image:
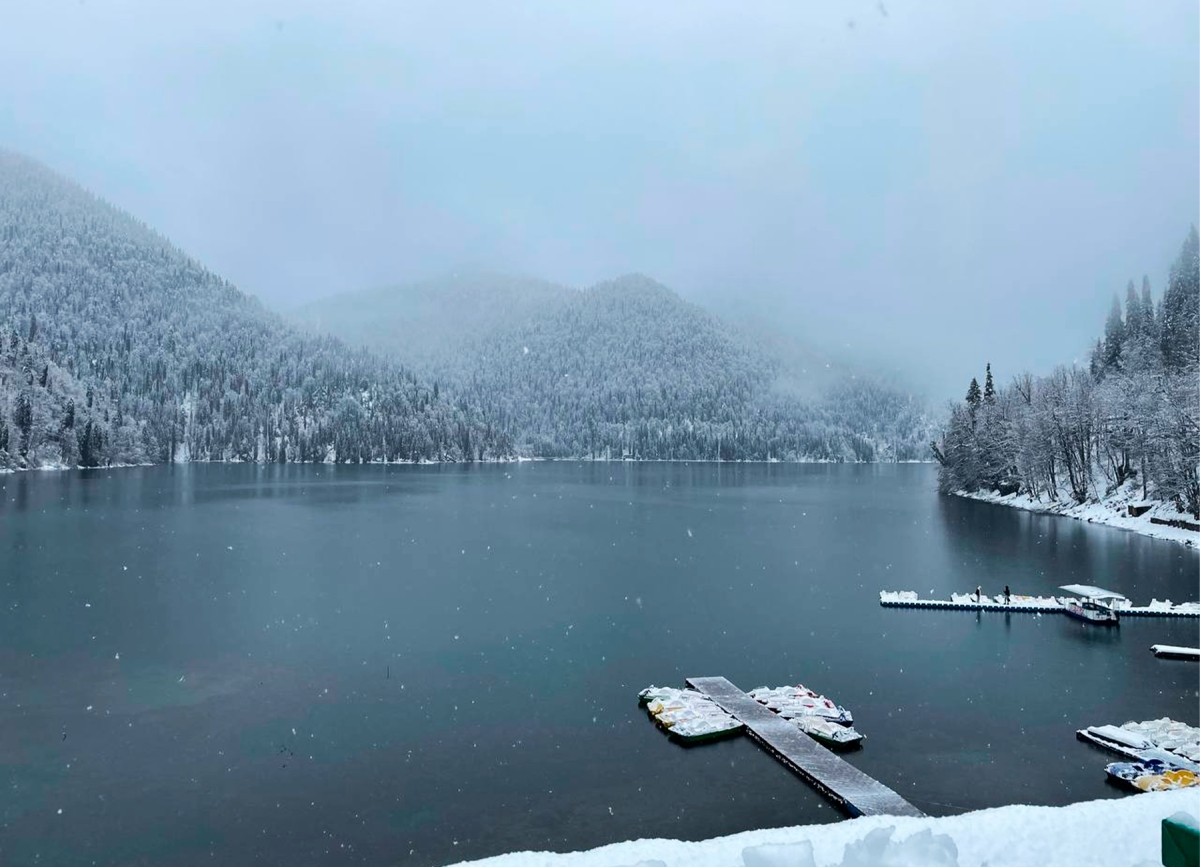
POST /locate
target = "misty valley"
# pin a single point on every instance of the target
(599, 435)
(310, 596)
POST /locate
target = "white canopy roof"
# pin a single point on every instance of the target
(1090, 592)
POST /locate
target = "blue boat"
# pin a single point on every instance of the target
(1151, 775)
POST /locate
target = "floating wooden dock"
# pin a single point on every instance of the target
(836, 779)
(1172, 652)
(1028, 605)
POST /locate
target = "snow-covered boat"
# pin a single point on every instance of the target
(1119, 736)
(1177, 738)
(830, 733)
(1093, 604)
(687, 715)
(792, 702)
(1171, 651)
(1160, 754)
(1151, 775)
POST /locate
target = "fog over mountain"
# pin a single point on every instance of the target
(627, 368)
(919, 187)
(115, 347)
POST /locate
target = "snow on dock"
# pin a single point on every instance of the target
(1030, 604)
(1173, 652)
(1166, 740)
(967, 602)
(1163, 609)
(836, 779)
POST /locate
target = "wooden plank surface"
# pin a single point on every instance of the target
(837, 779)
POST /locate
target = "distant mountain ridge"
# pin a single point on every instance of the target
(115, 347)
(625, 368)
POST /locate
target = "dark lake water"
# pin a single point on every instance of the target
(314, 664)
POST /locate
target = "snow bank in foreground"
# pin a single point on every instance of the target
(1112, 510)
(1111, 833)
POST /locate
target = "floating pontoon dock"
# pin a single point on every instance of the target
(1170, 651)
(1028, 604)
(832, 776)
(1163, 739)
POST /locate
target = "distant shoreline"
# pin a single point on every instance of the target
(1110, 511)
(426, 463)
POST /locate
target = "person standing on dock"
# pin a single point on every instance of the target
(978, 594)
(1007, 595)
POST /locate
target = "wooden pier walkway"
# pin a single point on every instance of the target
(835, 778)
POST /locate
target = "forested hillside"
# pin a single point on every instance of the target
(1132, 416)
(117, 348)
(626, 368)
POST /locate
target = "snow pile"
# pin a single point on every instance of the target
(1109, 833)
(876, 849)
(898, 596)
(1177, 607)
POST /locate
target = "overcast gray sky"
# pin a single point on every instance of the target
(938, 184)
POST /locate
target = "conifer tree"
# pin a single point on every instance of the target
(1180, 325)
(1149, 328)
(1134, 417)
(23, 417)
(1133, 314)
(1114, 337)
(973, 395)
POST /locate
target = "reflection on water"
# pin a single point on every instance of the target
(1091, 634)
(233, 662)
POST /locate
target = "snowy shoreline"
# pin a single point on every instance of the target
(1111, 511)
(1016, 835)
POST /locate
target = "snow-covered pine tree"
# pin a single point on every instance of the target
(974, 396)
(1180, 326)
(1114, 338)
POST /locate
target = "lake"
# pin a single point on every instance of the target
(366, 664)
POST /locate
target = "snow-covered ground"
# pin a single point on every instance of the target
(1122, 832)
(1111, 510)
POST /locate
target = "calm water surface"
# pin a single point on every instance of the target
(322, 665)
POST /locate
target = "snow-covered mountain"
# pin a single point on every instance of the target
(626, 368)
(115, 347)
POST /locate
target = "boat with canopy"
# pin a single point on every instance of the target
(1093, 604)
